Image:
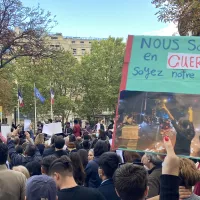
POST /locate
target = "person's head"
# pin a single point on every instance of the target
(90, 154)
(34, 168)
(131, 182)
(46, 163)
(23, 170)
(41, 187)
(59, 143)
(130, 156)
(108, 163)
(72, 138)
(100, 148)
(188, 173)
(16, 140)
(61, 170)
(3, 153)
(78, 170)
(30, 150)
(111, 121)
(68, 124)
(102, 135)
(84, 156)
(53, 138)
(86, 137)
(39, 139)
(50, 120)
(19, 149)
(75, 121)
(151, 160)
(86, 144)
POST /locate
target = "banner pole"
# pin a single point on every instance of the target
(35, 109)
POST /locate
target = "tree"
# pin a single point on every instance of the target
(23, 31)
(100, 76)
(47, 73)
(186, 13)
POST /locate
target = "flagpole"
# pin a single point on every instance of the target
(18, 114)
(35, 109)
(51, 103)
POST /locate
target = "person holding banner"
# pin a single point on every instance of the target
(184, 134)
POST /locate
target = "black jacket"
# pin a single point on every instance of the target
(60, 153)
(19, 159)
(49, 151)
(107, 188)
(92, 176)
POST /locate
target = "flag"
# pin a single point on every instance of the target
(38, 95)
(52, 96)
(20, 99)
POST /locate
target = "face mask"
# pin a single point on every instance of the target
(97, 134)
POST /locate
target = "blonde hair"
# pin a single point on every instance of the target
(188, 173)
(39, 139)
(23, 170)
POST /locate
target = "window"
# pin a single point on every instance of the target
(74, 51)
(51, 45)
(90, 42)
(82, 42)
(73, 42)
(83, 51)
(57, 46)
(54, 38)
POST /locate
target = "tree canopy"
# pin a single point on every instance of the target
(23, 31)
(186, 13)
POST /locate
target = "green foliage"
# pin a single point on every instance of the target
(100, 76)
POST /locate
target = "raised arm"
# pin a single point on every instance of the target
(168, 112)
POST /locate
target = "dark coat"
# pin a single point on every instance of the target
(107, 188)
(19, 159)
(49, 151)
(92, 176)
(60, 153)
(154, 181)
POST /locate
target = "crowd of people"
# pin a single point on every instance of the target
(82, 165)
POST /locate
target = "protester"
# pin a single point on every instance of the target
(41, 187)
(131, 157)
(31, 153)
(62, 172)
(71, 143)
(59, 145)
(78, 170)
(12, 183)
(23, 170)
(84, 157)
(90, 154)
(34, 168)
(131, 180)
(51, 150)
(92, 177)
(154, 166)
(108, 163)
(39, 142)
(77, 129)
(46, 162)
(68, 129)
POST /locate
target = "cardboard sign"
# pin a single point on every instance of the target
(52, 128)
(5, 129)
(160, 95)
(27, 123)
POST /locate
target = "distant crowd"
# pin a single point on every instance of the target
(80, 164)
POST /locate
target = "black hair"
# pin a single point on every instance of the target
(84, 157)
(86, 144)
(19, 149)
(78, 170)
(75, 121)
(100, 148)
(62, 165)
(34, 168)
(131, 181)
(46, 163)
(59, 143)
(72, 138)
(3, 153)
(102, 135)
(53, 138)
(109, 162)
(86, 137)
(30, 150)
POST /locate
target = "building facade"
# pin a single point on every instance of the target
(78, 46)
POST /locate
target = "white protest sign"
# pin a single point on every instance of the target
(52, 128)
(5, 129)
(27, 123)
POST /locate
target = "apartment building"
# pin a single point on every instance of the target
(78, 46)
